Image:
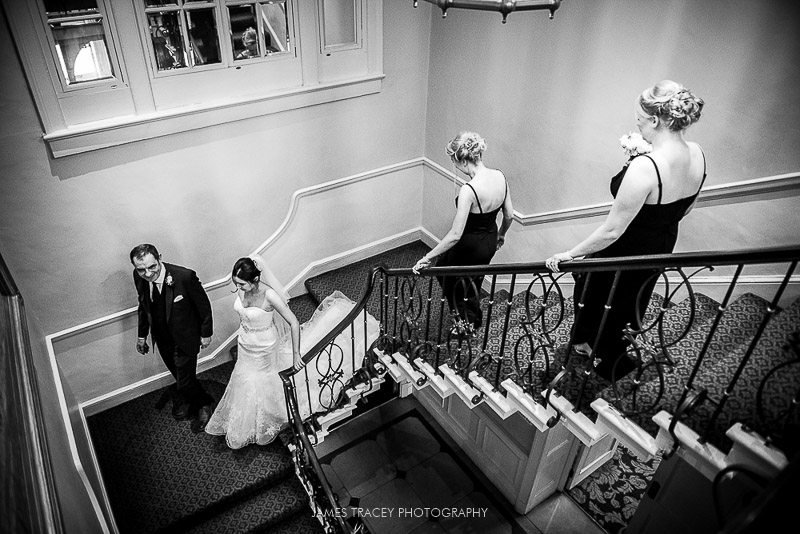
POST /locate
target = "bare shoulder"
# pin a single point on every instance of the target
(465, 193)
(694, 146)
(273, 298)
(641, 175)
(643, 166)
(696, 151)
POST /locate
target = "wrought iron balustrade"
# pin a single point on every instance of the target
(676, 359)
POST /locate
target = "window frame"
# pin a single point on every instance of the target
(292, 30)
(143, 11)
(104, 114)
(118, 76)
(223, 32)
(357, 30)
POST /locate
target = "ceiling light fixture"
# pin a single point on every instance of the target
(502, 6)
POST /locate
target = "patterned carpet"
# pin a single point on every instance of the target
(163, 477)
(351, 280)
(612, 494)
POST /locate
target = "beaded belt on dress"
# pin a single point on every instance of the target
(249, 329)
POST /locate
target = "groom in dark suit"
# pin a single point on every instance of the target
(174, 309)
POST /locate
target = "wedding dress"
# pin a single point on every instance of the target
(253, 407)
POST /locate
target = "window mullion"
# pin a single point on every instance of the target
(262, 46)
(188, 56)
(223, 32)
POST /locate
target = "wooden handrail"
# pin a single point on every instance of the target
(28, 500)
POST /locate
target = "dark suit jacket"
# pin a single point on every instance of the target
(188, 310)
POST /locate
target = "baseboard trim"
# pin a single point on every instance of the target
(290, 216)
(99, 404)
(103, 511)
(297, 286)
(711, 194)
(733, 192)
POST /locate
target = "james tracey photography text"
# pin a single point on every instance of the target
(385, 511)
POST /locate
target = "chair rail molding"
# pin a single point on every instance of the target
(709, 195)
(750, 189)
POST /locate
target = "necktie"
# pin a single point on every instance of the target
(156, 292)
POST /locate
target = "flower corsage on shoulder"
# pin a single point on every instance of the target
(168, 280)
(634, 145)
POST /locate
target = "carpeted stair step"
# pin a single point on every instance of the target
(525, 308)
(494, 325)
(685, 325)
(736, 327)
(680, 319)
(158, 472)
(302, 523)
(303, 306)
(782, 385)
(351, 279)
(259, 512)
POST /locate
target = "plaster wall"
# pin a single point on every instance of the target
(552, 97)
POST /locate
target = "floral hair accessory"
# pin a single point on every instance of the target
(168, 280)
(634, 144)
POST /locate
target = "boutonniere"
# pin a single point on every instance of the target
(168, 280)
(634, 144)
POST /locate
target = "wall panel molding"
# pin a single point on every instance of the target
(785, 184)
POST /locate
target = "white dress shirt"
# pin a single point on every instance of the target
(159, 281)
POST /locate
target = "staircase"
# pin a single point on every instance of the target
(726, 351)
(166, 479)
(162, 477)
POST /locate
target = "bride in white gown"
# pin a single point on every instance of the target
(253, 407)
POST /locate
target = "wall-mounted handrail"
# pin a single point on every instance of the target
(28, 499)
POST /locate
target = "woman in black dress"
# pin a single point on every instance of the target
(651, 195)
(474, 237)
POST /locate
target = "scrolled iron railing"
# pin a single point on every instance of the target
(533, 346)
(527, 337)
(323, 357)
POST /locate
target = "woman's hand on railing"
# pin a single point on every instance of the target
(298, 362)
(553, 261)
(423, 263)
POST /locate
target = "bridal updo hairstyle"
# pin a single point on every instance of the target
(466, 146)
(245, 269)
(672, 103)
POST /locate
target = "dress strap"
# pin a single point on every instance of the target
(658, 175)
(702, 154)
(476, 197)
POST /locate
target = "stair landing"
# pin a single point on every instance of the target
(402, 474)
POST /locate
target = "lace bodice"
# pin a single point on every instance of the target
(253, 407)
(253, 318)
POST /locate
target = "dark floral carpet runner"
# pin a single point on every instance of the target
(162, 477)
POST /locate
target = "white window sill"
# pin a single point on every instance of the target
(122, 130)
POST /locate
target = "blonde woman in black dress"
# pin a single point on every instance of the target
(652, 194)
(474, 236)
